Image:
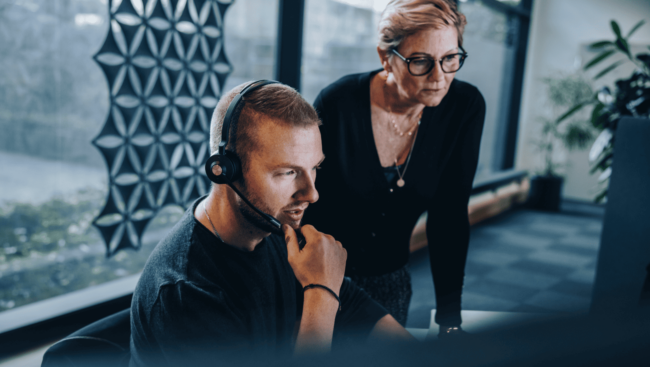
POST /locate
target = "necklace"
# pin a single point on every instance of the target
(212, 224)
(401, 182)
(409, 132)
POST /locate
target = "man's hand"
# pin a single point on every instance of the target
(321, 261)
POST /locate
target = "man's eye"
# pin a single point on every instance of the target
(318, 167)
(289, 173)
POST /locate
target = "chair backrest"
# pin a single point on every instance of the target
(625, 241)
(102, 343)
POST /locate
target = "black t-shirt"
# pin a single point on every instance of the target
(372, 216)
(199, 300)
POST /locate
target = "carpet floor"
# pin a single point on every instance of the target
(521, 261)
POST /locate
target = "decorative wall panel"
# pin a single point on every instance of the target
(165, 66)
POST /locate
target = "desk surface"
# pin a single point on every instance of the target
(480, 321)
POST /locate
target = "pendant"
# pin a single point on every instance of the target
(400, 183)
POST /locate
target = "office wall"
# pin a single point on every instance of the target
(559, 32)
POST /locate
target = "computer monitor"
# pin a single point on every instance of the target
(625, 240)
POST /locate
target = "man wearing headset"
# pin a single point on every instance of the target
(227, 278)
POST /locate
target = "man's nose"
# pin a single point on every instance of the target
(307, 191)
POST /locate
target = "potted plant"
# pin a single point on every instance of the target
(629, 97)
(573, 133)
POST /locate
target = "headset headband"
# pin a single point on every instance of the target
(225, 128)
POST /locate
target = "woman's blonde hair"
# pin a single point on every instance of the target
(402, 18)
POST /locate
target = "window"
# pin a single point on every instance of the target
(340, 38)
(250, 40)
(489, 41)
(55, 100)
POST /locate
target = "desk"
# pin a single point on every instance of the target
(480, 321)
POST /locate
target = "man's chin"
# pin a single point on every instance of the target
(284, 219)
(293, 224)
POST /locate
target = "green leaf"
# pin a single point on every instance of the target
(644, 58)
(596, 115)
(616, 29)
(604, 162)
(622, 45)
(571, 111)
(598, 59)
(637, 26)
(608, 69)
(600, 44)
(600, 196)
(578, 136)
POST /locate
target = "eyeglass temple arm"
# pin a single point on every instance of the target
(398, 54)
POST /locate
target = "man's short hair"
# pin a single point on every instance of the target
(278, 102)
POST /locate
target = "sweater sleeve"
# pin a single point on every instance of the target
(187, 326)
(447, 222)
(359, 313)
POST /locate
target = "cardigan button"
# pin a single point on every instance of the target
(373, 234)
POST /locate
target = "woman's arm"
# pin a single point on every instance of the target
(447, 222)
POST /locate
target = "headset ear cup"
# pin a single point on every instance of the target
(230, 167)
(234, 169)
(216, 160)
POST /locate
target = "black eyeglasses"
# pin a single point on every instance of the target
(419, 66)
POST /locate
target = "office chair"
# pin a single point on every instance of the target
(102, 343)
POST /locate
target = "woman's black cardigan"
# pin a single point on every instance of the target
(373, 218)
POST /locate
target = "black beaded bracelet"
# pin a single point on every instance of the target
(325, 288)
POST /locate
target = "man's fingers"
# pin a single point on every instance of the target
(291, 239)
(310, 233)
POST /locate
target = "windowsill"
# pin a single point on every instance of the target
(66, 303)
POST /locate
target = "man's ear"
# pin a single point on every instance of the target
(385, 60)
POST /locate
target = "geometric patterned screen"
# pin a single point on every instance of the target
(165, 66)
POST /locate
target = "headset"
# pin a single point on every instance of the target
(224, 166)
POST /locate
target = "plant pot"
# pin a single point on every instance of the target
(546, 193)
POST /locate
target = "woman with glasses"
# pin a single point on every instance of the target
(400, 141)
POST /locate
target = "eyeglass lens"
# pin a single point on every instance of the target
(421, 66)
